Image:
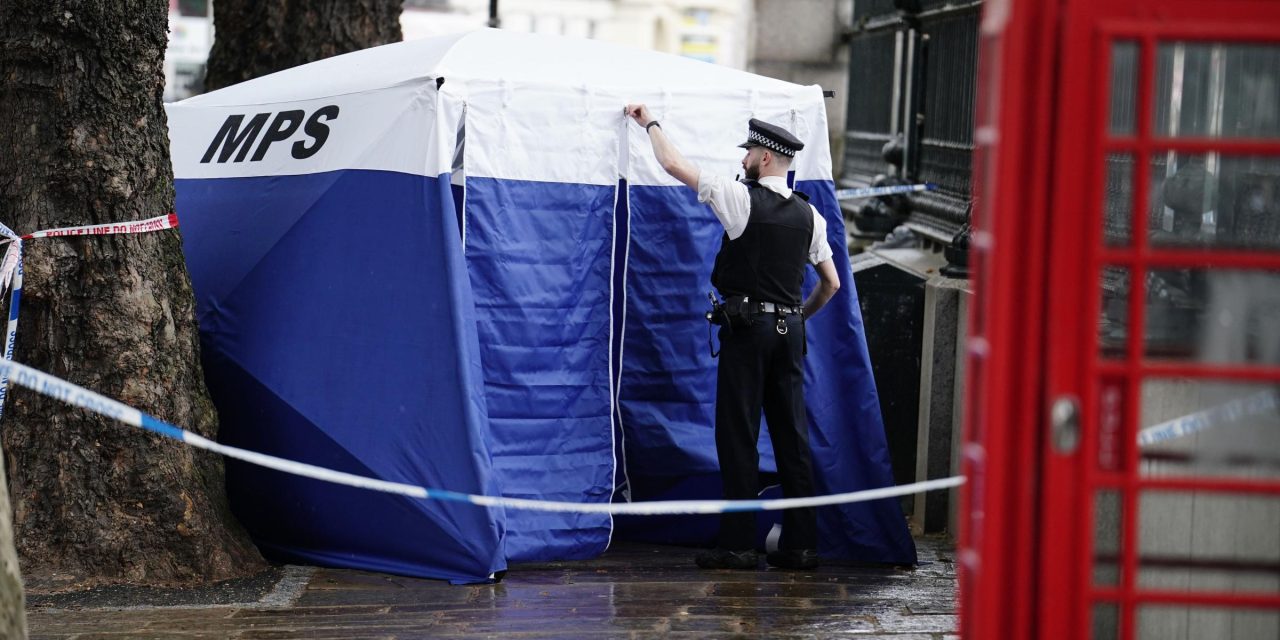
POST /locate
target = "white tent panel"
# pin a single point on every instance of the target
(388, 129)
(540, 133)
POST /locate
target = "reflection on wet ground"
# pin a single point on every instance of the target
(633, 591)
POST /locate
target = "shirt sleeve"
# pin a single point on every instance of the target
(819, 248)
(729, 200)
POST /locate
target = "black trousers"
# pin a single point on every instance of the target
(762, 369)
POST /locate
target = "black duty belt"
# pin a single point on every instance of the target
(760, 306)
(741, 312)
(784, 309)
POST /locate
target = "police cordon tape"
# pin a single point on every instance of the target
(11, 268)
(11, 332)
(871, 192)
(10, 274)
(78, 396)
(1212, 417)
(157, 223)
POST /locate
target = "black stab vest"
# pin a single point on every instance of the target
(767, 261)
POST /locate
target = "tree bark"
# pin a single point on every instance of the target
(253, 38)
(85, 142)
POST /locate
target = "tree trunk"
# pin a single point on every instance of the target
(255, 37)
(85, 142)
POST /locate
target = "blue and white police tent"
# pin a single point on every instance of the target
(455, 263)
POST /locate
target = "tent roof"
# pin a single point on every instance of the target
(493, 55)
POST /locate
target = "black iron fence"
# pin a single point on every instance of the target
(912, 85)
(869, 123)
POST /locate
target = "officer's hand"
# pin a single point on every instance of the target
(640, 113)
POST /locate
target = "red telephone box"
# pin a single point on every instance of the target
(1123, 410)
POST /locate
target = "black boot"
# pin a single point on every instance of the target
(726, 559)
(793, 559)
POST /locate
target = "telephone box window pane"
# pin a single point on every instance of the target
(1213, 316)
(1117, 203)
(1217, 90)
(1124, 86)
(1209, 541)
(1162, 622)
(1113, 320)
(1226, 316)
(1106, 622)
(1214, 200)
(1209, 428)
(1106, 538)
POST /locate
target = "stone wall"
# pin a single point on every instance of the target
(801, 41)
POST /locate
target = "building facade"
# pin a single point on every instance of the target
(715, 31)
(190, 39)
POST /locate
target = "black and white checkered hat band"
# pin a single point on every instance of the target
(756, 137)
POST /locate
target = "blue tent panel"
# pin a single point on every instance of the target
(540, 257)
(338, 329)
(844, 415)
(283, 512)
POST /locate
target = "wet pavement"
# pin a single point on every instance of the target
(632, 591)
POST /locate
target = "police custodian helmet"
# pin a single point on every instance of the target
(771, 137)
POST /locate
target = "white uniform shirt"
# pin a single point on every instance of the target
(731, 202)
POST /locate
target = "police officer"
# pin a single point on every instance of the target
(770, 232)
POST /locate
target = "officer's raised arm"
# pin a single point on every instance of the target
(672, 161)
(727, 197)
